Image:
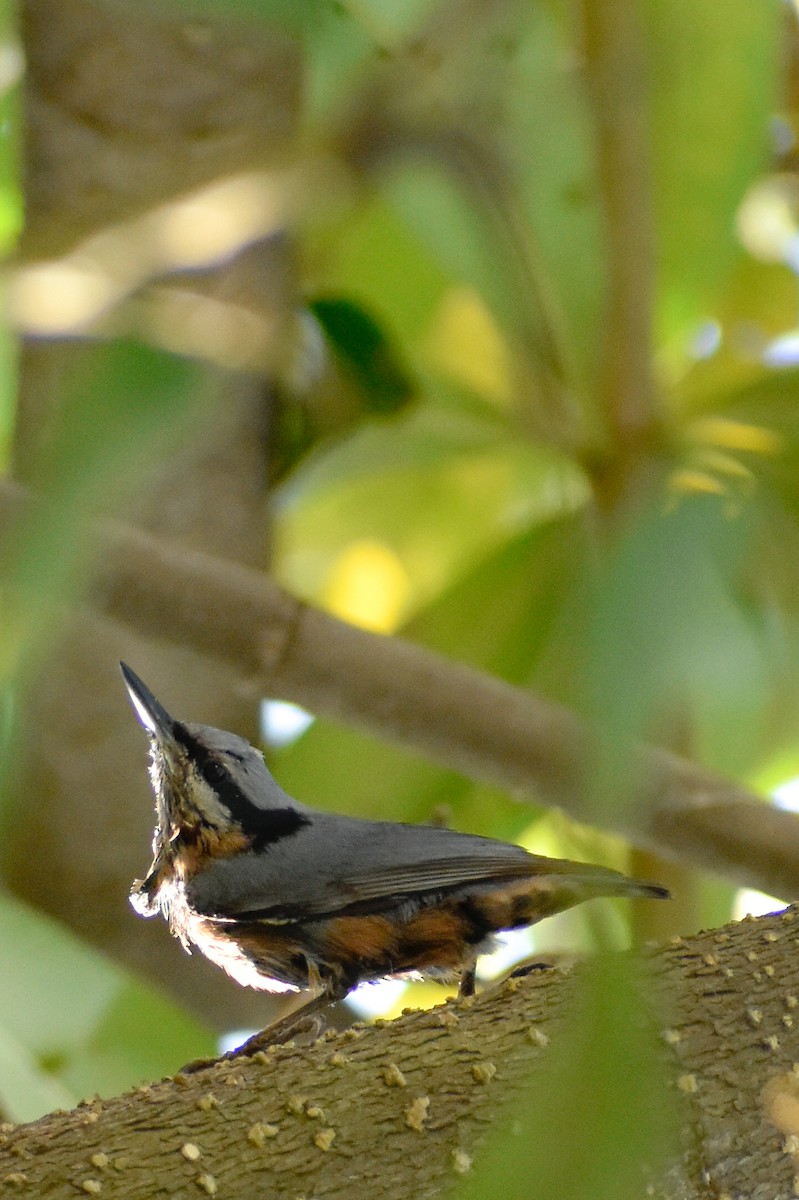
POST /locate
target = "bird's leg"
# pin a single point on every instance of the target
(305, 1018)
(276, 1034)
(466, 987)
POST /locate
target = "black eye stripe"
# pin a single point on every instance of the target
(264, 825)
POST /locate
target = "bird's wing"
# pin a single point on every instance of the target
(341, 864)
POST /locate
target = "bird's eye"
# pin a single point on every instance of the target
(214, 773)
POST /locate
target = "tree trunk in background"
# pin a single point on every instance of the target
(126, 109)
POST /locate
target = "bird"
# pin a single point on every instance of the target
(289, 898)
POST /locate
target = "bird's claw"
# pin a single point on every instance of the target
(277, 1034)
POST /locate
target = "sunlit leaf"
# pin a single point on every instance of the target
(465, 342)
(437, 486)
(373, 258)
(525, 580)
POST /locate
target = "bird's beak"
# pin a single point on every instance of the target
(153, 716)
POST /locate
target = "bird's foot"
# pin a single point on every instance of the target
(528, 968)
(305, 1020)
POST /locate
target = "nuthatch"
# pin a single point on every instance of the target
(286, 898)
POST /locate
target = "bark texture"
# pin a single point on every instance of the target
(406, 1105)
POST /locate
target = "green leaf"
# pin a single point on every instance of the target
(53, 988)
(664, 640)
(373, 258)
(445, 218)
(26, 1090)
(550, 136)
(74, 1023)
(391, 23)
(384, 482)
(499, 615)
(364, 348)
(609, 1121)
(11, 205)
(710, 138)
(141, 1035)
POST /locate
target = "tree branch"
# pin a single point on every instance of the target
(410, 1101)
(614, 49)
(456, 715)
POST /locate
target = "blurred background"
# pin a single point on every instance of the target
(477, 323)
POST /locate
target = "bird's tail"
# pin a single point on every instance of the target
(551, 886)
(588, 880)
